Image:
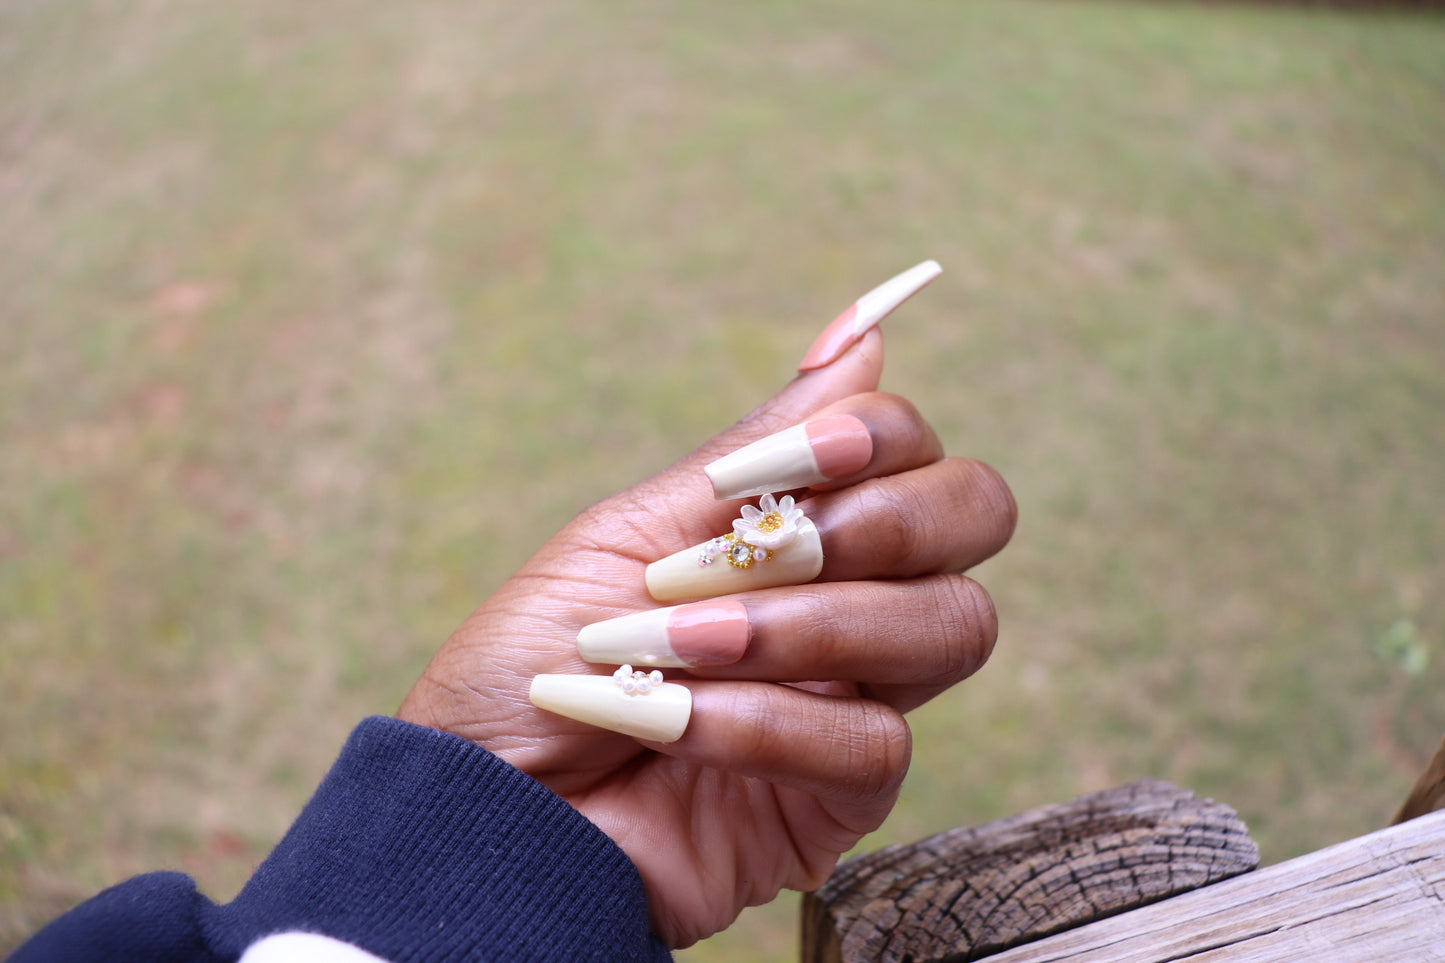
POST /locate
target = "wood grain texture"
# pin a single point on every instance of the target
(972, 891)
(1376, 898)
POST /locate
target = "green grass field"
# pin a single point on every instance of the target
(317, 319)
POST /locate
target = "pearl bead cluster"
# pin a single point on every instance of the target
(636, 682)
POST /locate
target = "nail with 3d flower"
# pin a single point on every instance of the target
(631, 702)
(714, 632)
(864, 313)
(771, 544)
(833, 446)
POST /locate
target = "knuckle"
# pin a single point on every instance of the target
(884, 747)
(754, 724)
(994, 500)
(814, 619)
(971, 623)
(896, 515)
(897, 407)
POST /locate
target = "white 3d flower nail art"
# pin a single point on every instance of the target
(771, 544)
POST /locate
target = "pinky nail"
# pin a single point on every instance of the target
(820, 450)
(661, 714)
(699, 634)
(866, 312)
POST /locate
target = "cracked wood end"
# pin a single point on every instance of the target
(973, 891)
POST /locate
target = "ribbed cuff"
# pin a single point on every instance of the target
(420, 845)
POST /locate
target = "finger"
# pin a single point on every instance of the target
(848, 749)
(854, 752)
(906, 640)
(862, 436)
(945, 517)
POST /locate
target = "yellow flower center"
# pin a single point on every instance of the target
(770, 522)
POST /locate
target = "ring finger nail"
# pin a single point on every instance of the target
(698, 634)
(772, 544)
(633, 703)
(820, 450)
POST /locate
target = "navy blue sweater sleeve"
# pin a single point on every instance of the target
(417, 846)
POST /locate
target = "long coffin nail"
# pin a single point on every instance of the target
(864, 313)
(820, 450)
(699, 634)
(709, 570)
(660, 712)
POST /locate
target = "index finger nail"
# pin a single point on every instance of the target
(864, 313)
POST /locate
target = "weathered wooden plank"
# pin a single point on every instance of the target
(1380, 897)
(970, 891)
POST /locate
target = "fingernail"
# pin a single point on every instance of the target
(684, 575)
(820, 450)
(699, 634)
(864, 313)
(660, 714)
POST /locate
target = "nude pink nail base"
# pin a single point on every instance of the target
(808, 454)
(841, 445)
(836, 338)
(709, 633)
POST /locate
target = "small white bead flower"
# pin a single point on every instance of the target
(636, 682)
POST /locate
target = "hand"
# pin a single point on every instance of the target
(771, 782)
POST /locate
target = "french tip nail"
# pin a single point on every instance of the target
(865, 313)
(683, 576)
(816, 451)
(712, 632)
(659, 715)
(779, 462)
(639, 638)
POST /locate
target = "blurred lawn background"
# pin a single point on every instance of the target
(316, 319)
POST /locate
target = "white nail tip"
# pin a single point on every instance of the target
(659, 715)
(880, 301)
(640, 638)
(679, 576)
(784, 460)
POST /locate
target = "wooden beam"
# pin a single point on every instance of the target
(1378, 897)
(1429, 792)
(971, 891)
